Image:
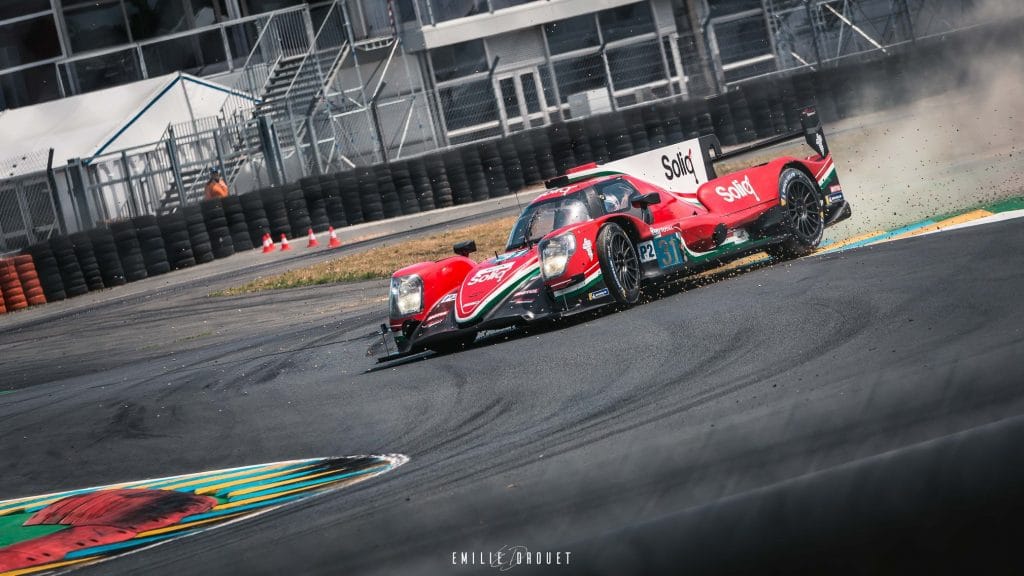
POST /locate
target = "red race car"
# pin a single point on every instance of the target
(603, 232)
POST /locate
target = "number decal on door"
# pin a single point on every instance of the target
(646, 251)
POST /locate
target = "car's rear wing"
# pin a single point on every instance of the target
(685, 166)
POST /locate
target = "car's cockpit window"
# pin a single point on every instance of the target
(615, 195)
(542, 218)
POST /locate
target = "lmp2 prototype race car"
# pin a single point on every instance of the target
(600, 233)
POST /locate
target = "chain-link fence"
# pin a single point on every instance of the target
(27, 210)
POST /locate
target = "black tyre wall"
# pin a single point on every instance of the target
(237, 226)
(277, 212)
(298, 212)
(255, 217)
(439, 184)
(348, 188)
(494, 172)
(48, 270)
(129, 250)
(217, 228)
(315, 205)
(202, 251)
(333, 205)
(106, 256)
(421, 184)
(70, 271)
(177, 244)
(456, 170)
(369, 197)
(87, 261)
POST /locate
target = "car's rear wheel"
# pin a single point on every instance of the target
(620, 265)
(804, 220)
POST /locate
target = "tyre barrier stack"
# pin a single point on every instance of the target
(255, 217)
(348, 188)
(421, 184)
(402, 181)
(87, 261)
(334, 207)
(527, 159)
(128, 248)
(439, 183)
(390, 202)
(217, 227)
(276, 212)
(48, 271)
(510, 163)
(11, 292)
(372, 203)
(29, 278)
(70, 272)
(238, 227)
(474, 172)
(151, 242)
(494, 172)
(459, 181)
(105, 249)
(177, 244)
(298, 212)
(202, 249)
(315, 206)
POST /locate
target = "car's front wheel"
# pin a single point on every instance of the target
(804, 219)
(620, 265)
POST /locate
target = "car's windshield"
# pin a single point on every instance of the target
(542, 218)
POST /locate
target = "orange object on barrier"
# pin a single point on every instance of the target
(30, 285)
(284, 243)
(10, 285)
(334, 243)
(3, 307)
(313, 243)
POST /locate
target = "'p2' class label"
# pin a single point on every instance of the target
(646, 251)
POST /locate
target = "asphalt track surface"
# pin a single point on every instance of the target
(853, 412)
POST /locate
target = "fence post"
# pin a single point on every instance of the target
(271, 154)
(814, 32)
(128, 181)
(55, 194)
(172, 155)
(88, 213)
(314, 146)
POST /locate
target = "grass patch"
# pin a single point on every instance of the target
(381, 261)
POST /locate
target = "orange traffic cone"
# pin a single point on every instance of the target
(312, 240)
(334, 243)
(284, 243)
(268, 243)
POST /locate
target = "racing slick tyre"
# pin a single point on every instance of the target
(804, 219)
(620, 265)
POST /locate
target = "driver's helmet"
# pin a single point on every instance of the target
(615, 199)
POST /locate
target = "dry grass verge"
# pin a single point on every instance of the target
(381, 261)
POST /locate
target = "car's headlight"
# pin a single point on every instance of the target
(406, 295)
(555, 253)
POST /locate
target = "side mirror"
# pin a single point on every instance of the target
(644, 200)
(465, 248)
